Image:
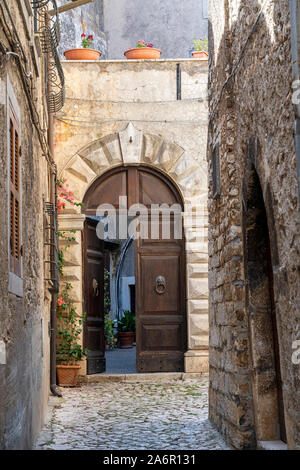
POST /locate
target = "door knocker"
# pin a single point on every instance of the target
(95, 288)
(160, 285)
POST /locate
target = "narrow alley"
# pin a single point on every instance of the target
(132, 415)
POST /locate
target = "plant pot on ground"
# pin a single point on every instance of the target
(126, 330)
(143, 51)
(69, 328)
(84, 53)
(201, 48)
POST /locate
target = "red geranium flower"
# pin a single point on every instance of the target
(83, 35)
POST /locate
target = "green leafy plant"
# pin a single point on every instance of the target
(86, 41)
(109, 325)
(201, 44)
(69, 329)
(69, 322)
(144, 44)
(127, 322)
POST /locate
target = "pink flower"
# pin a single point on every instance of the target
(60, 301)
(141, 42)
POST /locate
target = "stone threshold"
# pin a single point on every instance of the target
(140, 378)
(271, 445)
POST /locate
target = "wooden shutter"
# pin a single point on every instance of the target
(14, 188)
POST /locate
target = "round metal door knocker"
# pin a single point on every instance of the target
(160, 285)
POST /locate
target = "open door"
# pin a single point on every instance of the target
(160, 312)
(94, 301)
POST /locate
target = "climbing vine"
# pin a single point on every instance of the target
(69, 328)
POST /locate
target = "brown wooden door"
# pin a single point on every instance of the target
(160, 317)
(160, 285)
(160, 306)
(94, 299)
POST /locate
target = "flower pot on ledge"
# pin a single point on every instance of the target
(82, 54)
(200, 55)
(143, 53)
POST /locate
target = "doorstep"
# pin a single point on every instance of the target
(151, 377)
(271, 445)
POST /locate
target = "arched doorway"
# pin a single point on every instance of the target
(267, 390)
(160, 284)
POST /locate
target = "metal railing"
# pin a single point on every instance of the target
(48, 28)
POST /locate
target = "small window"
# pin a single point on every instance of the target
(14, 196)
(216, 172)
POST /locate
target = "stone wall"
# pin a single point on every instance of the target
(24, 306)
(251, 127)
(109, 102)
(119, 24)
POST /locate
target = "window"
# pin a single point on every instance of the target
(216, 172)
(14, 195)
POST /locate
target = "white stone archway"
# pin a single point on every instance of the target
(131, 146)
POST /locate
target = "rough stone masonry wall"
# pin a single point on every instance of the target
(24, 378)
(257, 105)
(109, 102)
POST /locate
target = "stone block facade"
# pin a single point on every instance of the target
(122, 113)
(253, 205)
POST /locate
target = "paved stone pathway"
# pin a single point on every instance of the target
(131, 416)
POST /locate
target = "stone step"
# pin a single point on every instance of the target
(139, 378)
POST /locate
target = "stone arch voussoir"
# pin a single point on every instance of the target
(132, 146)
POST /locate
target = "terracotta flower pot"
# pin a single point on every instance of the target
(67, 375)
(82, 54)
(143, 53)
(200, 55)
(126, 339)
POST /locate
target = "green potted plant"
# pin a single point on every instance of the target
(126, 330)
(69, 351)
(85, 52)
(143, 50)
(109, 325)
(201, 48)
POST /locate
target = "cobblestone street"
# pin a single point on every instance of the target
(132, 415)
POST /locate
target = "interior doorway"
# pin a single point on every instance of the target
(156, 293)
(267, 389)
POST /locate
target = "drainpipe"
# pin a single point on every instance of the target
(120, 265)
(295, 43)
(54, 290)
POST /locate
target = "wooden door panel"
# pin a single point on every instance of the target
(155, 265)
(156, 338)
(94, 301)
(152, 190)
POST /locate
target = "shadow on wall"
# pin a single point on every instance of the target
(91, 15)
(255, 102)
(117, 25)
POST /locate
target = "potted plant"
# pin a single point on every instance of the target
(201, 48)
(69, 328)
(84, 53)
(126, 330)
(143, 50)
(109, 327)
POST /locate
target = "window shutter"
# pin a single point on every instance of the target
(14, 216)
